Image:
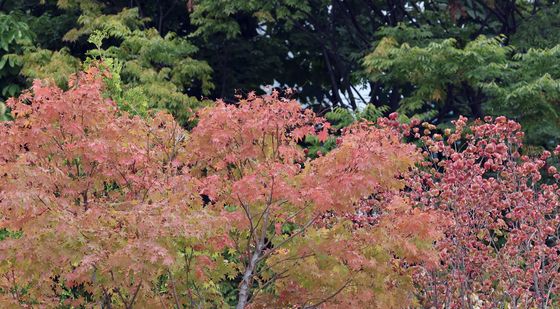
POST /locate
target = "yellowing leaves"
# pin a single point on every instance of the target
(437, 95)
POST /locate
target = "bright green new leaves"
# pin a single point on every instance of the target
(50, 65)
(154, 69)
(116, 25)
(157, 70)
(146, 70)
(442, 79)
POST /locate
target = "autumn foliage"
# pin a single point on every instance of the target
(103, 208)
(118, 210)
(501, 247)
(293, 214)
(95, 194)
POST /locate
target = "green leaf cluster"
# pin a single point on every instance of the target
(150, 71)
(15, 35)
(483, 77)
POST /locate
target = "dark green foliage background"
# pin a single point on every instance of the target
(432, 59)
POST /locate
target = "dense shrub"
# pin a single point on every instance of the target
(501, 246)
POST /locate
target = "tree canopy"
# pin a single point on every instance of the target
(279, 153)
(500, 56)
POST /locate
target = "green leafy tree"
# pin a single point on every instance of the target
(147, 70)
(14, 36)
(314, 46)
(485, 77)
(324, 41)
(154, 71)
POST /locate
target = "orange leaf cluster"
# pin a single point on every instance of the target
(127, 211)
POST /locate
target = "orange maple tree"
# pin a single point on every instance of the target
(291, 218)
(111, 209)
(94, 192)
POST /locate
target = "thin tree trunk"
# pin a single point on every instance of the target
(474, 98)
(336, 96)
(250, 270)
(394, 99)
(247, 278)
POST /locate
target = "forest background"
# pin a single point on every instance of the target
(434, 60)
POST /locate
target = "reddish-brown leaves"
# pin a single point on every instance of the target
(501, 248)
(94, 191)
(248, 158)
(135, 211)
